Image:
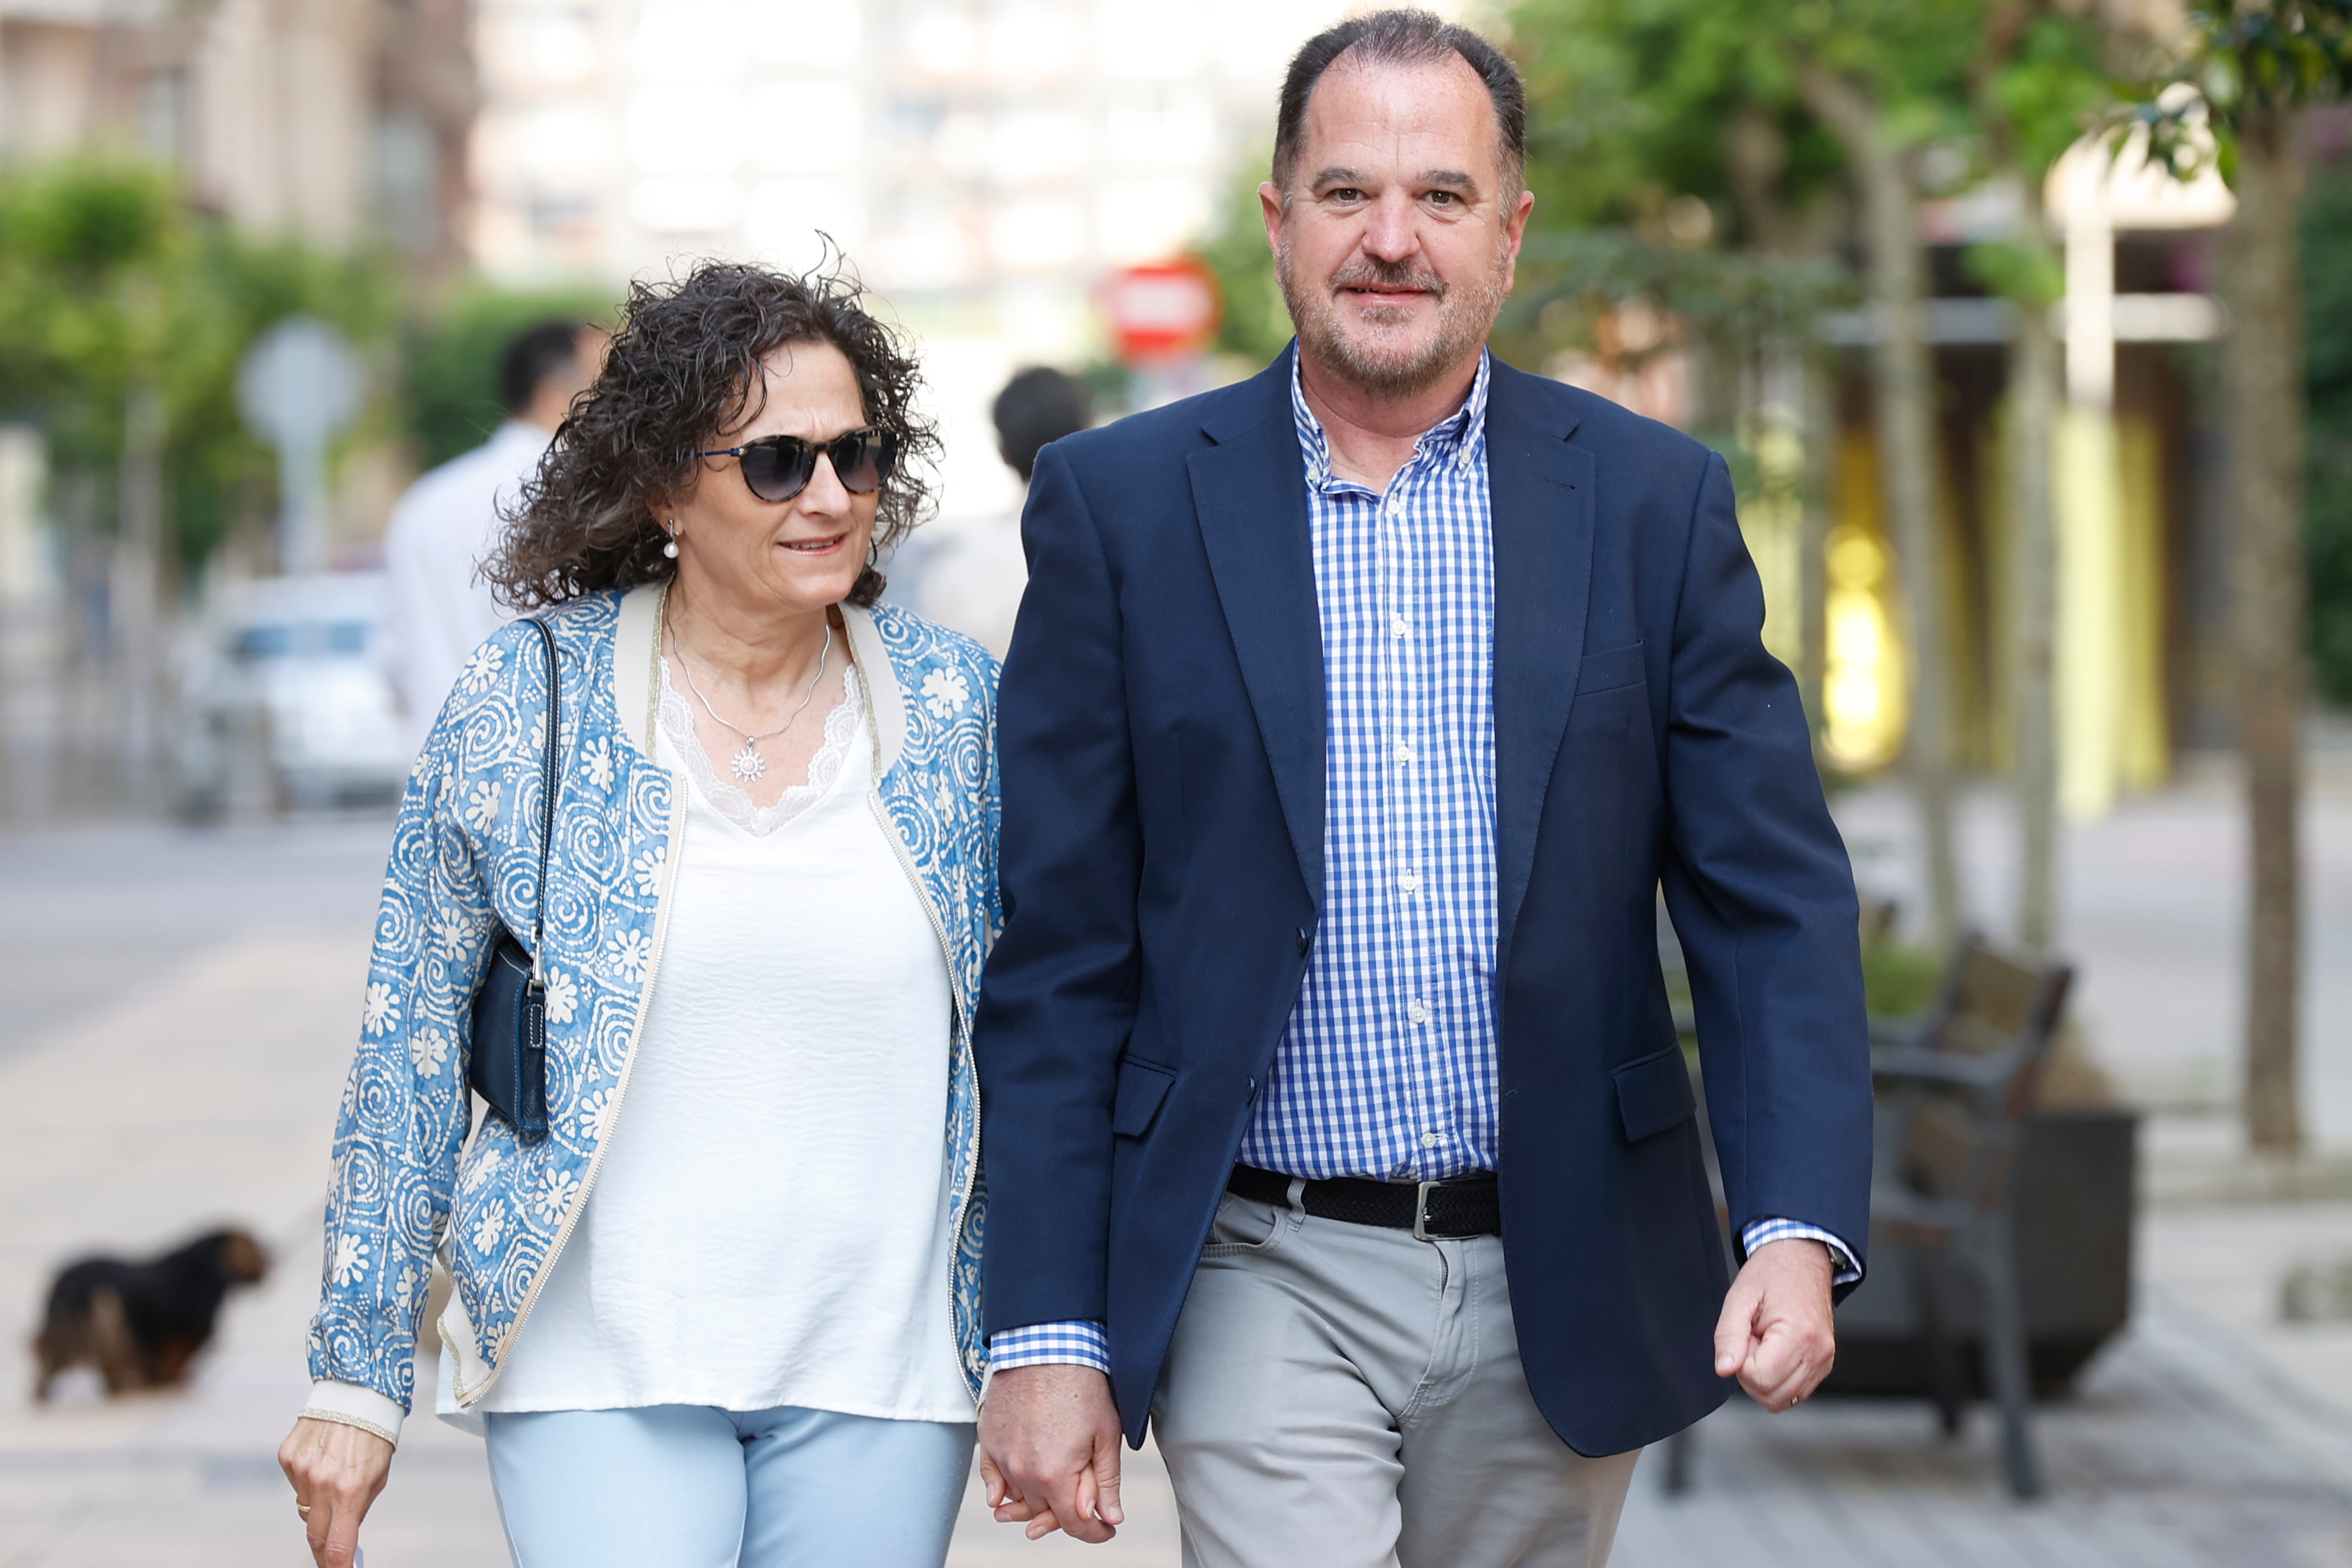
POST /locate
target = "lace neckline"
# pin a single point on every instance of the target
(841, 727)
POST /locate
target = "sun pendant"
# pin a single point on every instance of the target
(748, 763)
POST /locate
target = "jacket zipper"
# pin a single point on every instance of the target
(963, 1031)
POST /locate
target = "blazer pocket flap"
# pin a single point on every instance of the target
(1142, 1086)
(1607, 671)
(1653, 1093)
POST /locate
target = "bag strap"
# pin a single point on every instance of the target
(546, 791)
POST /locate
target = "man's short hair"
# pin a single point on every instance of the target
(1400, 37)
(1036, 406)
(551, 348)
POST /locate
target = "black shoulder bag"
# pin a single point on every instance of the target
(509, 1063)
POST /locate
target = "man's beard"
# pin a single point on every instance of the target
(1464, 316)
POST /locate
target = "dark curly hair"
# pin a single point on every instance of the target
(684, 368)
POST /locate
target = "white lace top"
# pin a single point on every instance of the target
(772, 1222)
(846, 722)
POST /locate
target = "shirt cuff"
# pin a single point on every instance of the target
(1760, 1232)
(1080, 1342)
(351, 1406)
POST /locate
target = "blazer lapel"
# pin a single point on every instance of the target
(1540, 491)
(1249, 491)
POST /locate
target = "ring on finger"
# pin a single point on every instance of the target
(303, 1509)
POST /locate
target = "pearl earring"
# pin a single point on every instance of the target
(670, 548)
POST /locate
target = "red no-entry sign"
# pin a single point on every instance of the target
(1162, 308)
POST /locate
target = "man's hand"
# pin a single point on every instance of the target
(1049, 1450)
(1776, 1333)
(337, 1471)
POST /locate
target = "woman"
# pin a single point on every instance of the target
(726, 1310)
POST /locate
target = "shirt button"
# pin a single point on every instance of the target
(1400, 626)
(1409, 881)
(1418, 1012)
(1404, 751)
(1429, 1140)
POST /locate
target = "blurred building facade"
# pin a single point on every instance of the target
(336, 119)
(982, 163)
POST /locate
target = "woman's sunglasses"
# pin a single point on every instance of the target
(778, 467)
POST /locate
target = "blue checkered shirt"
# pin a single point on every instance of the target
(1389, 1066)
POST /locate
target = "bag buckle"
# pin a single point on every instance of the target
(1420, 1212)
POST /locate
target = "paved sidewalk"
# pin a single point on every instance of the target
(197, 1085)
(189, 1075)
(2181, 1449)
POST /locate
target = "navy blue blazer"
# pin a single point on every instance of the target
(1162, 735)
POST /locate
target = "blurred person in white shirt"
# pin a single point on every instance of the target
(441, 609)
(973, 580)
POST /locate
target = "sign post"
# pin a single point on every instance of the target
(1163, 316)
(300, 387)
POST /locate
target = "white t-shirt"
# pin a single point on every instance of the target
(433, 545)
(772, 1221)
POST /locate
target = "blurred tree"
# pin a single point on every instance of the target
(111, 288)
(2039, 81)
(1256, 324)
(1641, 107)
(122, 318)
(2244, 73)
(450, 387)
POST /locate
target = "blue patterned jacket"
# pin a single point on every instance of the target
(407, 1179)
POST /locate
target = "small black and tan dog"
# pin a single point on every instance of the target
(141, 1324)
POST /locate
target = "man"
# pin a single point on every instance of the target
(1354, 718)
(973, 580)
(434, 546)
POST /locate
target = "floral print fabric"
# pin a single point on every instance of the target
(465, 861)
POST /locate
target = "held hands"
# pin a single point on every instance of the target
(1049, 1451)
(337, 1471)
(1776, 1333)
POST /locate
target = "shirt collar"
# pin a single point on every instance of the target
(1460, 437)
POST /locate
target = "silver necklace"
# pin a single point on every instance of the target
(748, 764)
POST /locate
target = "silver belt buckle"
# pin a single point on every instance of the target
(1420, 1212)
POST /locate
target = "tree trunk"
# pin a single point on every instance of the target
(1904, 394)
(135, 601)
(2034, 392)
(1820, 428)
(2262, 363)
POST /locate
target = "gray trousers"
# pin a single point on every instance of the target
(1347, 1397)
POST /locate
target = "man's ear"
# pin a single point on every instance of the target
(1269, 202)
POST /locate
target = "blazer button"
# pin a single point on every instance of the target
(1305, 941)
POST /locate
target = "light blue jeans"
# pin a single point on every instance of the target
(688, 1486)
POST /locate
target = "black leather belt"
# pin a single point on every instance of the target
(1465, 1206)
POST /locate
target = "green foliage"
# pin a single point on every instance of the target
(2056, 83)
(1899, 980)
(111, 284)
(1675, 154)
(1633, 102)
(450, 395)
(2240, 56)
(1740, 298)
(2033, 275)
(1256, 324)
(2327, 322)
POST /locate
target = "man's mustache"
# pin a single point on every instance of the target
(1388, 275)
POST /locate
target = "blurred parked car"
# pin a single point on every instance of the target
(285, 695)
